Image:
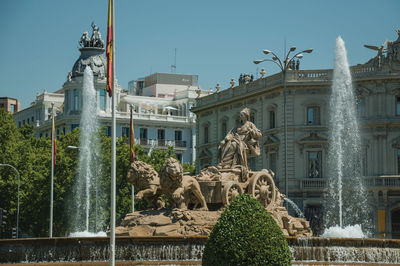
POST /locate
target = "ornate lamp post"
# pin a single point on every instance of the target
(284, 66)
(19, 182)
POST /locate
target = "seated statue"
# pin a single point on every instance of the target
(238, 144)
(145, 179)
(180, 189)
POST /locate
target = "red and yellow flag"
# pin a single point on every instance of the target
(132, 138)
(110, 48)
(53, 139)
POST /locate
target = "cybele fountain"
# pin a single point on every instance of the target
(177, 235)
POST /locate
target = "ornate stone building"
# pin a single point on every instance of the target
(377, 86)
(161, 114)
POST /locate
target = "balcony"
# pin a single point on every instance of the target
(161, 143)
(180, 143)
(320, 184)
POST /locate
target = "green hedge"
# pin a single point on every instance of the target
(246, 234)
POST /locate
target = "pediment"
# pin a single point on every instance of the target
(313, 137)
(205, 153)
(363, 91)
(271, 140)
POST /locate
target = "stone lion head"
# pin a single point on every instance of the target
(140, 173)
(172, 168)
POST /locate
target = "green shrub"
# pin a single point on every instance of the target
(246, 234)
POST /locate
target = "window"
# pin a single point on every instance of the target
(161, 134)
(125, 131)
(313, 116)
(74, 126)
(66, 101)
(32, 119)
(19, 124)
(179, 157)
(272, 119)
(107, 131)
(178, 135)
(398, 105)
(272, 161)
(314, 164)
(161, 137)
(76, 99)
(102, 100)
(143, 135)
(12, 108)
(252, 117)
(206, 134)
(224, 128)
(28, 121)
(398, 161)
(361, 110)
(23, 122)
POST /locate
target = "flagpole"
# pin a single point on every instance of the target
(130, 142)
(113, 162)
(52, 171)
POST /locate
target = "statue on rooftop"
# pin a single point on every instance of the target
(96, 37)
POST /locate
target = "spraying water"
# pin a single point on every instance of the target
(87, 193)
(345, 202)
(295, 207)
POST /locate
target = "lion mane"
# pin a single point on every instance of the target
(142, 175)
(171, 174)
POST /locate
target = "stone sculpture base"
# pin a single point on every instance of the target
(168, 222)
(187, 223)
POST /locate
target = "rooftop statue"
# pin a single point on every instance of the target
(388, 54)
(94, 41)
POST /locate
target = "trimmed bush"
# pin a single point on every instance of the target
(246, 234)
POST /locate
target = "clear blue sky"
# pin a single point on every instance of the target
(216, 40)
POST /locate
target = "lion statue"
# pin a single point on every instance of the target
(145, 179)
(181, 189)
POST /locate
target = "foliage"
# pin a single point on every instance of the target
(246, 234)
(31, 156)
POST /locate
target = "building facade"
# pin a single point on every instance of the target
(161, 108)
(377, 88)
(11, 105)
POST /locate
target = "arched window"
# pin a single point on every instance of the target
(224, 127)
(76, 99)
(206, 133)
(313, 115)
(272, 119)
(102, 100)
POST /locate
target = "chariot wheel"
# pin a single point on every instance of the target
(230, 191)
(262, 188)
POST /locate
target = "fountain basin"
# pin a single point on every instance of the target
(178, 250)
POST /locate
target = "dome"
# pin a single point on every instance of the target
(93, 57)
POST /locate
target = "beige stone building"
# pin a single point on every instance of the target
(377, 87)
(11, 105)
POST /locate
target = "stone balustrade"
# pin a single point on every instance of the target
(323, 76)
(320, 184)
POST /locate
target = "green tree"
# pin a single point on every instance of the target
(246, 234)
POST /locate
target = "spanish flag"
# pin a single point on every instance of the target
(53, 139)
(110, 48)
(132, 138)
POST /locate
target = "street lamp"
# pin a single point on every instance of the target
(19, 182)
(284, 66)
